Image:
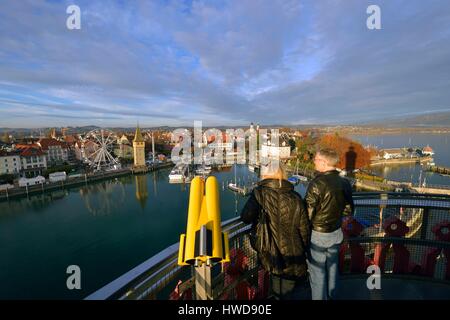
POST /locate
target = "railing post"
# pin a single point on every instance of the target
(203, 280)
(383, 204)
(424, 227)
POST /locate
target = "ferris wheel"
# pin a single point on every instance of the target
(97, 149)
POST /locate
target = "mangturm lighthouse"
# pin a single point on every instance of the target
(139, 152)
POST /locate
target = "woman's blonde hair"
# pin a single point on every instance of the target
(275, 172)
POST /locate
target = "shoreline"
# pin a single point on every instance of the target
(19, 192)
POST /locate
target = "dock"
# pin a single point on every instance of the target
(378, 162)
(439, 169)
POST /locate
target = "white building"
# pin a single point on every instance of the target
(57, 152)
(34, 161)
(392, 153)
(272, 151)
(57, 176)
(23, 182)
(10, 163)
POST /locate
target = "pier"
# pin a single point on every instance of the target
(378, 162)
(439, 170)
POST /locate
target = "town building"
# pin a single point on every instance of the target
(33, 160)
(124, 149)
(392, 153)
(10, 163)
(428, 151)
(57, 151)
(281, 152)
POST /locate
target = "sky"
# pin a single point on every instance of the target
(221, 62)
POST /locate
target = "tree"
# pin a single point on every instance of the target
(5, 137)
(352, 155)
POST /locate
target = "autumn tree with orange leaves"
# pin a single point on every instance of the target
(352, 155)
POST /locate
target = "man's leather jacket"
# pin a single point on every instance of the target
(328, 198)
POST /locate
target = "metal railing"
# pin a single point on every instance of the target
(405, 234)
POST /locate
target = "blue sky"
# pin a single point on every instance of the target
(222, 62)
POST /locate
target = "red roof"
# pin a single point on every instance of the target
(30, 151)
(428, 148)
(70, 139)
(21, 146)
(47, 142)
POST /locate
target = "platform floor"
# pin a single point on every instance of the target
(392, 288)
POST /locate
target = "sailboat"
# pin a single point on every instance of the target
(245, 190)
(297, 178)
(233, 186)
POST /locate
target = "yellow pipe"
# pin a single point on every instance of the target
(204, 240)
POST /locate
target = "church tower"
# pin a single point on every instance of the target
(139, 152)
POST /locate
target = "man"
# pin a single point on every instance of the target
(328, 197)
(280, 218)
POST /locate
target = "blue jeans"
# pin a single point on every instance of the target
(323, 264)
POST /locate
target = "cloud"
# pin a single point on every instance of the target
(224, 62)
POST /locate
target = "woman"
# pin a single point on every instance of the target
(282, 233)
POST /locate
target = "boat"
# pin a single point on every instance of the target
(245, 190)
(203, 170)
(300, 177)
(234, 187)
(180, 173)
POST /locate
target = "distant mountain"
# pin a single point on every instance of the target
(429, 120)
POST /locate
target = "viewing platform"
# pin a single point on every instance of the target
(406, 235)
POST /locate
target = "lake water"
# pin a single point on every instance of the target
(412, 172)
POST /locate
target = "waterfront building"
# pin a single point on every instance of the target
(24, 182)
(139, 152)
(10, 163)
(33, 160)
(271, 151)
(392, 153)
(57, 176)
(428, 151)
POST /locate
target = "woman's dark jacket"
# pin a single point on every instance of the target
(288, 231)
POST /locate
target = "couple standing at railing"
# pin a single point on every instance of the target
(297, 239)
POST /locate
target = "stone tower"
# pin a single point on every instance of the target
(139, 152)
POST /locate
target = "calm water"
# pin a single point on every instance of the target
(412, 172)
(106, 228)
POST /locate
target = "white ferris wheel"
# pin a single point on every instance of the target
(97, 149)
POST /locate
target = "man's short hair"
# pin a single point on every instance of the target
(330, 155)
